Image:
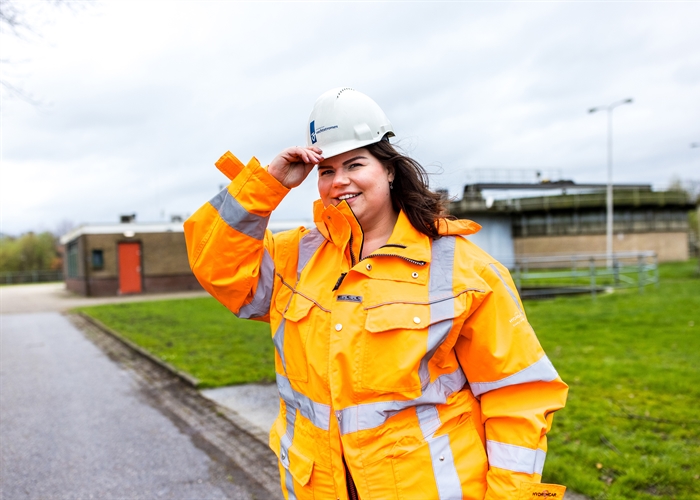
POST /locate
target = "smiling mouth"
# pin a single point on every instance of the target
(348, 196)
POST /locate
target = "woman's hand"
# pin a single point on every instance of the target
(292, 165)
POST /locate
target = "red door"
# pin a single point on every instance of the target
(129, 268)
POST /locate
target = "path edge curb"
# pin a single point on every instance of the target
(237, 421)
(185, 377)
(232, 416)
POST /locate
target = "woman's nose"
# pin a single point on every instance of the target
(340, 178)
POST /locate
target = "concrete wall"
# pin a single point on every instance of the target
(668, 246)
(495, 237)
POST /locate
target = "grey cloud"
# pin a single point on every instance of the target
(478, 85)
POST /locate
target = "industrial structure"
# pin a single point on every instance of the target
(574, 221)
(130, 257)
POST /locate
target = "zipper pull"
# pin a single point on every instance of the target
(340, 280)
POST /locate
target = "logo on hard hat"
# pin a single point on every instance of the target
(312, 128)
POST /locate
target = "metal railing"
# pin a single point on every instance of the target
(584, 273)
(17, 277)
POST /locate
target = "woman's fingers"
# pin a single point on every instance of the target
(309, 155)
(285, 167)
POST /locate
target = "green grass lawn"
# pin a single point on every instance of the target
(631, 427)
(198, 336)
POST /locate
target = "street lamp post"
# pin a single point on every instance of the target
(697, 208)
(609, 195)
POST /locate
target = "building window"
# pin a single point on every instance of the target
(98, 261)
(72, 259)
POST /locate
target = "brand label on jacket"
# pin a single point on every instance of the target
(350, 298)
(536, 491)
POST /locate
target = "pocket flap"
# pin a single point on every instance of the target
(300, 466)
(298, 308)
(532, 491)
(397, 315)
(413, 316)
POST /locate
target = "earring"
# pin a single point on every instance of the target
(391, 184)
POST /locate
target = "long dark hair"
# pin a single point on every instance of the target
(410, 191)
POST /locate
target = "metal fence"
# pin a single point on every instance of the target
(545, 276)
(13, 278)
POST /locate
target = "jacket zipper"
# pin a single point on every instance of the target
(352, 489)
(352, 253)
(416, 262)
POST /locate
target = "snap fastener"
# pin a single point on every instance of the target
(414, 274)
(369, 267)
(338, 327)
(340, 417)
(416, 320)
(442, 459)
(283, 455)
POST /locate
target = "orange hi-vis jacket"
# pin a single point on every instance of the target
(414, 369)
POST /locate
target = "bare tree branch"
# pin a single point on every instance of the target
(19, 21)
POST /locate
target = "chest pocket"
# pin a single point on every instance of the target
(300, 318)
(398, 336)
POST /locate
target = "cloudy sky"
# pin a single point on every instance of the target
(137, 100)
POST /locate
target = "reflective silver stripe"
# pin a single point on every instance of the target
(515, 458)
(540, 371)
(238, 217)
(260, 305)
(371, 415)
(285, 444)
(286, 440)
(278, 340)
(428, 419)
(510, 291)
(289, 484)
(318, 414)
(446, 477)
(308, 245)
(440, 285)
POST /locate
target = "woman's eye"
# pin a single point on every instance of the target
(353, 165)
(324, 172)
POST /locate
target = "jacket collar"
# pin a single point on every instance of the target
(406, 242)
(337, 223)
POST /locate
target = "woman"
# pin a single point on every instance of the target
(405, 365)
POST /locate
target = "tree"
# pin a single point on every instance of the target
(690, 187)
(29, 252)
(19, 19)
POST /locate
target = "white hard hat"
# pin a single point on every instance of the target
(344, 119)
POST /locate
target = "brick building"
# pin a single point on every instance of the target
(131, 257)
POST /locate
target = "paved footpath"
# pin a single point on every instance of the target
(43, 297)
(75, 424)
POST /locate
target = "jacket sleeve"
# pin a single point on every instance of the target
(517, 385)
(229, 248)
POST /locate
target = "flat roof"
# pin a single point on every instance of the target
(130, 229)
(550, 185)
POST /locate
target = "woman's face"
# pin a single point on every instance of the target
(361, 180)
